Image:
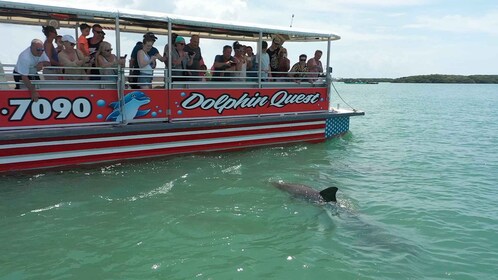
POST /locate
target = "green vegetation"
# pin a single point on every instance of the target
(365, 80)
(434, 78)
(449, 79)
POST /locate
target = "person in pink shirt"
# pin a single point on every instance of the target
(82, 40)
(315, 65)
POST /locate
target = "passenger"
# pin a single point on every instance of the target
(105, 59)
(315, 65)
(273, 52)
(82, 40)
(241, 62)
(58, 42)
(149, 36)
(51, 52)
(93, 46)
(180, 59)
(145, 63)
(223, 63)
(283, 65)
(204, 74)
(193, 48)
(166, 52)
(30, 61)
(300, 69)
(265, 62)
(71, 57)
(252, 63)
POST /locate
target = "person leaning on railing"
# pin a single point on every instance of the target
(146, 63)
(105, 59)
(30, 61)
(315, 66)
(73, 58)
(300, 69)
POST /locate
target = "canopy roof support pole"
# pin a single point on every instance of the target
(121, 81)
(328, 73)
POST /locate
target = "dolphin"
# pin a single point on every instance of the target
(133, 101)
(307, 193)
(359, 229)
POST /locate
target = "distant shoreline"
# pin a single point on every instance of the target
(434, 78)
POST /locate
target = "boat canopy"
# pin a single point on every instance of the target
(141, 22)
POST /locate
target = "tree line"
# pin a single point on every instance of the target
(434, 78)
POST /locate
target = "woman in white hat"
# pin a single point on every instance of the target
(71, 57)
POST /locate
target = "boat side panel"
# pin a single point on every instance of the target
(60, 153)
(205, 103)
(57, 108)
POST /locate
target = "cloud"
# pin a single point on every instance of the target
(459, 24)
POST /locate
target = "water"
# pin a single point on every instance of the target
(418, 197)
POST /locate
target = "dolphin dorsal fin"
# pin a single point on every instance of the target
(329, 194)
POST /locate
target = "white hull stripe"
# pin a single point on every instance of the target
(155, 135)
(113, 150)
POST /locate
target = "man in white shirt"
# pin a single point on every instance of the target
(265, 62)
(30, 61)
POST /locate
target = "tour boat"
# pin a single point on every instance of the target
(77, 122)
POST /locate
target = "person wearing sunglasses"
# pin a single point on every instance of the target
(300, 69)
(93, 46)
(106, 59)
(273, 51)
(51, 34)
(30, 61)
(72, 58)
(180, 59)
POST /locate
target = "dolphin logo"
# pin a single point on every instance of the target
(133, 101)
(307, 193)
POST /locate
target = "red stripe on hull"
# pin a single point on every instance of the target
(158, 152)
(151, 140)
(118, 134)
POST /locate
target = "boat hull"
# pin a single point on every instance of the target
(31, 149)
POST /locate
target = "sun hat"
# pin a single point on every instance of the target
(68, 38)
(279, 39)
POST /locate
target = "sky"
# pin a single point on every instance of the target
(379, 38)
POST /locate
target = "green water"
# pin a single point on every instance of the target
(418, 198)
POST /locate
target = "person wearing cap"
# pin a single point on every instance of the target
(147, 63)
(273, 52)
(180, 60)
(73, 58)
(93, 46)
(29, 62)
(149, 36)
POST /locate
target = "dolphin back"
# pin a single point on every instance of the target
(329, 194)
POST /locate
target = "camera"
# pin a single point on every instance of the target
(191, 53)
